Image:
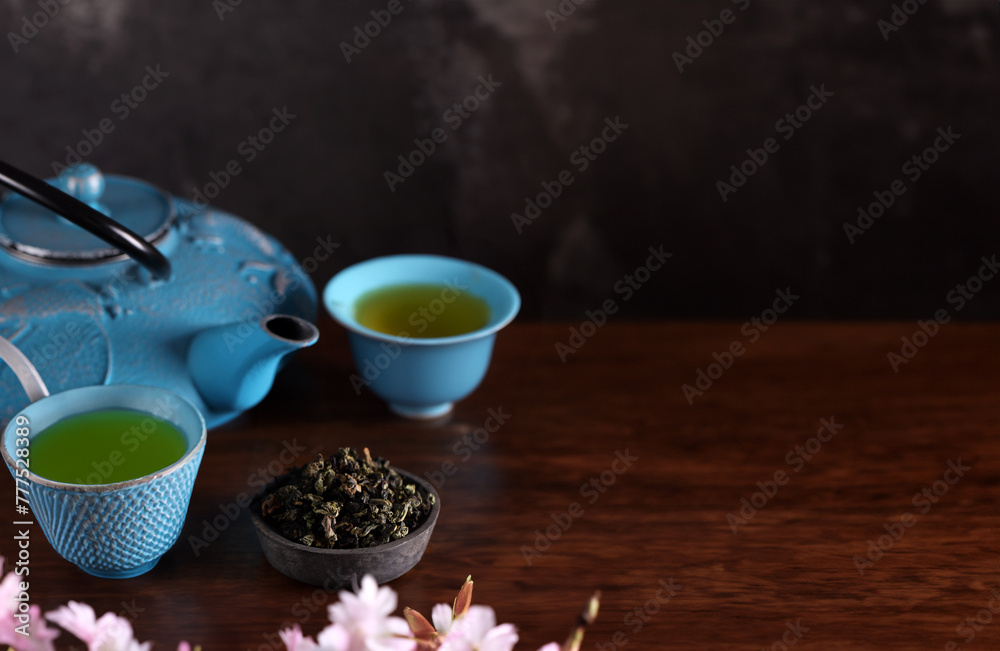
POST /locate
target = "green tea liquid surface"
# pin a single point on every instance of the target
(104, 447)
(421, 310)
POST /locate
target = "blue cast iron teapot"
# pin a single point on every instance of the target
(108, 280)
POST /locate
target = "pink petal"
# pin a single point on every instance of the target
(500, 638)
(334, 638)
(294, 641)
(9, 636)
(38, 628)
(441, 616)
(477, 622)
(369, 588)
(76, 618)
(114, 631)
(390, 644)
(394, 626)
(8, 592)
(455, 642)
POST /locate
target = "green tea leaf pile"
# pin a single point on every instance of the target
(345, 502)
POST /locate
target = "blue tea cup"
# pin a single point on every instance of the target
(420, 377)
(117, 530)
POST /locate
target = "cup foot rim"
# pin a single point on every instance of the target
(421, 412)
(121, 574)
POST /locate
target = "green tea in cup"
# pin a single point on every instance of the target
(421, 327)
(423, 310)
(110, 470)
(105, 447)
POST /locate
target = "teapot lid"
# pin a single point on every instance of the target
(31, 231)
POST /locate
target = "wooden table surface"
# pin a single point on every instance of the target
(870, 498)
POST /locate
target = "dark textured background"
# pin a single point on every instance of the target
(323, 176)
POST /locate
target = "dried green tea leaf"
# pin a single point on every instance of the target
(346, 501)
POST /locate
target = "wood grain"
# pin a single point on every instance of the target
(661, 523)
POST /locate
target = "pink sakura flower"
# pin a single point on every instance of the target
(331, 638)
(367, 619)
(463, 627)
(107, 633)
(430, 636)
(13, 619)
(477, 630)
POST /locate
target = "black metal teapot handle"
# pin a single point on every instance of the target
(86, 218)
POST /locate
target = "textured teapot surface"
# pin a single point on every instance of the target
(110, 322)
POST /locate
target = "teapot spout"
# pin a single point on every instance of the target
(233, 366)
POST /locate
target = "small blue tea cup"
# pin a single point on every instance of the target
(117, 530)
(420, 377)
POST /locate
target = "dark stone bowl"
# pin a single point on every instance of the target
(332, 568)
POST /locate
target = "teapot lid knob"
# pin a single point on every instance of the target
(85, 182)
